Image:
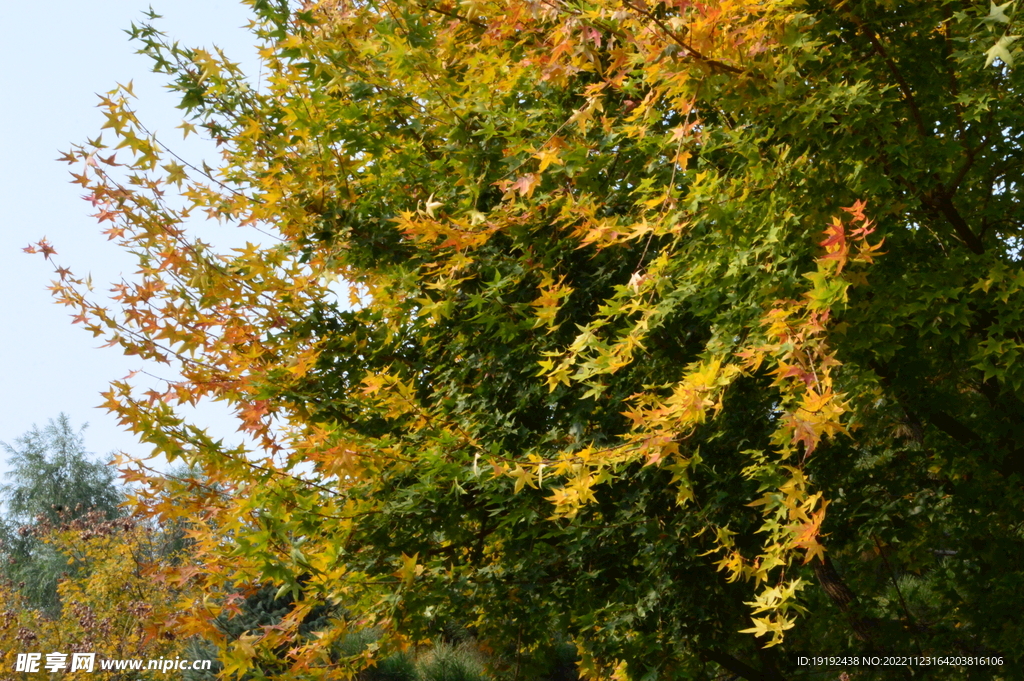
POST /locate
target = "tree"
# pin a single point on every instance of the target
(689, 329)
(111, 597)
(53, 480)
(53, 474)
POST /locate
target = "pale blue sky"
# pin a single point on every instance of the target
(55, 58)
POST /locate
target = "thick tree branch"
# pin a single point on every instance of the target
(738, 667)
(952, 427)
(938, 418)
(844, 599)
(942, 203)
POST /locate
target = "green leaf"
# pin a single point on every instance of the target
(1000, 51)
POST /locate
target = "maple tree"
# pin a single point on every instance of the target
(688, 330)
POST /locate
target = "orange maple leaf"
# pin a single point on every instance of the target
(526, 184)
(806, 536)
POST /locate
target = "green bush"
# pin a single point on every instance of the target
(396, 667)
(453, 663)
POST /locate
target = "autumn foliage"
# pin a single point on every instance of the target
(680, 329)
(112, 598)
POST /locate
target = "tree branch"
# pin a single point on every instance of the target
(737, 667)
(941, 203)
(713, 63)
(908, 94)
(453, 15)
(843, 597)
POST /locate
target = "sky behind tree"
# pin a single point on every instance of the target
(55, 63)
